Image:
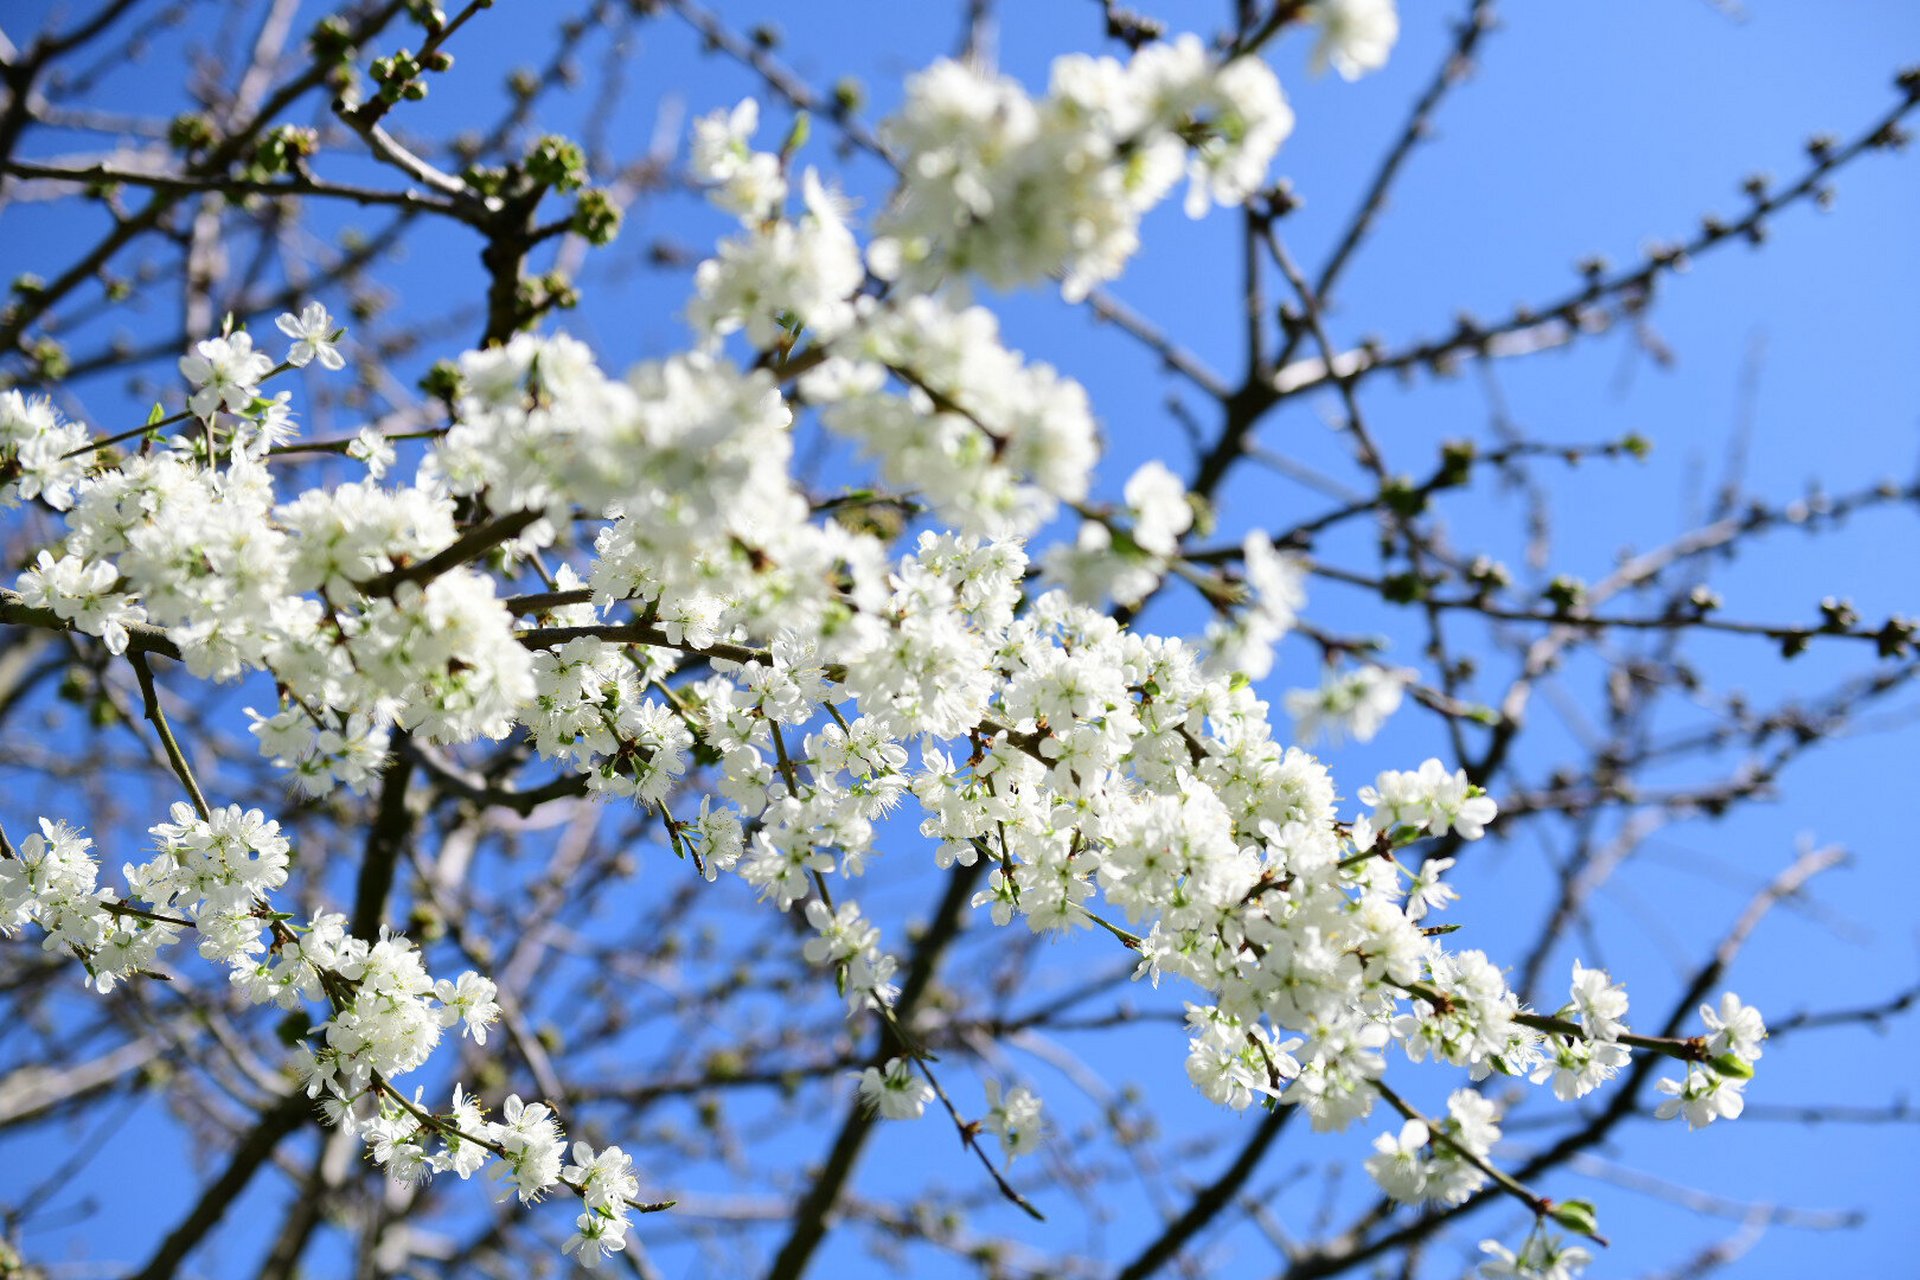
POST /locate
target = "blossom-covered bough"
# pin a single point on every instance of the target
(627, 582)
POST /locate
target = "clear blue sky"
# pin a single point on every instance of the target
(1590, 126)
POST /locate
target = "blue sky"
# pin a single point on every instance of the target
(1588, 127)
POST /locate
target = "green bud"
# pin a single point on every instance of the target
(281, 150)
(1565, 592)
(485, 180)
(1577, 1215)
(1488, 574)
(596, 217)
(1456, 462)
(190, 132)
(1403, 588)
(443, 381)
(332, 40)
(50, 359)
(1732, 1065)
(849, 95)
(1895, 637)
(557, 162)
(1401, 497)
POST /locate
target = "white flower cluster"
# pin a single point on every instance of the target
(742, 181)
(998, 184)
(386, 1013)
(53, 882)
(1097, 770)
(991, 442)
(41, 455)
(1348, 704)
(1276, 583)
(780, 277)
(1713, 1091)
(1421, 1163)
(1099, 566)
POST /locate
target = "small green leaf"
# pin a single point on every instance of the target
(797, 136)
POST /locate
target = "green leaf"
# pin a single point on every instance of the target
(797, 136)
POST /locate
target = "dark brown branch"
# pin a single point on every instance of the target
(810, 1216)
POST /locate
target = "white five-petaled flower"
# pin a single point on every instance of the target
(82, 592)
(1013, 1117)
(1428, 893)
(895, 1092)
(1737, 1028)
(374, 449)
(596, 1237)
(468, 1001)
(1599, 1002)
(226, 373)
(1703, 1097)
(314, 334)
(606, 1179)
(1401, 1167)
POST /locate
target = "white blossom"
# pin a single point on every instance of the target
(1355, 35)
(894, 1092)
(745, 182)
(1352, 704)
(314, 334)
(1702, 1097)
(1737, 1028)
(1400, 1165)
(1542, 1257)
(41, 455)
(1013, 1117)
(374, 449)
(226, 374)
